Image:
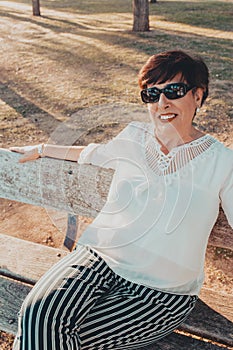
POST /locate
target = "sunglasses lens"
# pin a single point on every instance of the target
(174, 91)
(150, 95)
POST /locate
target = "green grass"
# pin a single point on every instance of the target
(207, 14)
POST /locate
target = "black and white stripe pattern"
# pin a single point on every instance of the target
(82, 304)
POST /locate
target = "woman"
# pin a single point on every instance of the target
(137, 270)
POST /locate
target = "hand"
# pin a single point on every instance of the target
(30, 152)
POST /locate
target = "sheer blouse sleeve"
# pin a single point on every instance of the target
(226, 196)
(106, 154)
(87, 153)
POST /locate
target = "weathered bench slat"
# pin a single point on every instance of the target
(207, 323)
(61, 185)
(24, 260)
(79, 190)
(180, 342)
(13, 251)
(13, 294)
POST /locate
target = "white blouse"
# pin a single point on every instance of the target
(154, 228)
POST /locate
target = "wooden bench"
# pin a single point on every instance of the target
(82, 190)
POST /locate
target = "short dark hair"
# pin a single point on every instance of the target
(164, 66)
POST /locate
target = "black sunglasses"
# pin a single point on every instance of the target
(171, 91)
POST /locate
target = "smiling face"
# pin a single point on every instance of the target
(176, 115)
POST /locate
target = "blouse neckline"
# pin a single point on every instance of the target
(188, 144)
(178, 157)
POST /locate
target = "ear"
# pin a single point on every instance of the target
(199, 92)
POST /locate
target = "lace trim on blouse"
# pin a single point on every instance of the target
(178, 157)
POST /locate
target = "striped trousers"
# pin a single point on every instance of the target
(80, 303)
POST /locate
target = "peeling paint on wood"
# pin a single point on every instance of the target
(63, 185)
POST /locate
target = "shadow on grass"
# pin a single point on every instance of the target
(141, 43)
(83, 6)
(148, 42)
(39, 21)
(74, 45)
(27, 109)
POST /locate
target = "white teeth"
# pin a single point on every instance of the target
(165, 117)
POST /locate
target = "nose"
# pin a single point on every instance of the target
(163, 101)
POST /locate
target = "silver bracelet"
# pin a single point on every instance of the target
(40, 150)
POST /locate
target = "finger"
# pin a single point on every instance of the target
(28, 157)
(17, 149)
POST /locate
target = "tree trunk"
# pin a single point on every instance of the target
(140, 15)
(152, 1)
(36, 7)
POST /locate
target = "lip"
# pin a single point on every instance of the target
(167, 117)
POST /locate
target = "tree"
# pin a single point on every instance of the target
(140, 15)
(36, 7)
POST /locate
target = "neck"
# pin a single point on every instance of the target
(171, 140)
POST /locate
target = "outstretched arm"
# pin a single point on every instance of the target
(45, 150)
